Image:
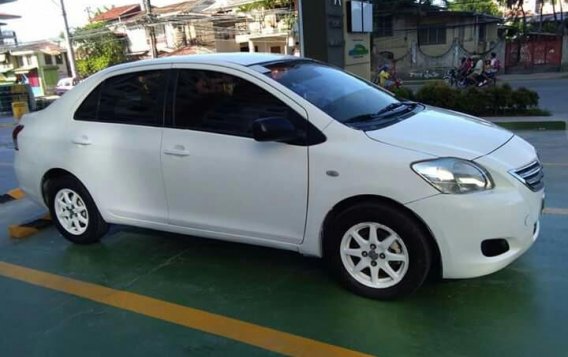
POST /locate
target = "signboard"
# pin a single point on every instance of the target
(357, 49)
(359, 16)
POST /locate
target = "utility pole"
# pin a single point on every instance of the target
(151, 29)
(298, 4)
(70, 53)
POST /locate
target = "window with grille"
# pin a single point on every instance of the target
(383, 26)
(432, 35)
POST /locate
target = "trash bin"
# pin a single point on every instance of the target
(19, 109)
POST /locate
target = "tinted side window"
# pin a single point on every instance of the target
(133, 98)
(221, 103)
(88, 109)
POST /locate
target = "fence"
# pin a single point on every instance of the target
(535, 53)
(416, 64)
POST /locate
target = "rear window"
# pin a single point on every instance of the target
(133, 98)
(88, 109)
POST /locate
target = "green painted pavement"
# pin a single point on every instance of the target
(503, 313)
(40, 322)
(519, 311)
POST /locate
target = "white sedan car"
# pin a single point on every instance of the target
(287, 153)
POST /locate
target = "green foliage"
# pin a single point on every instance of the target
(481, 6)
(498, 100)
(267, 4)
(403, 93)
(98, 48)
(524, 98)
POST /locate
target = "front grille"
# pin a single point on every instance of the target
(531, 175)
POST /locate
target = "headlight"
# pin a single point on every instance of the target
(450, 175)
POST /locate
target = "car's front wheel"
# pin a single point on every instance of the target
(74, 211)
(378, 251)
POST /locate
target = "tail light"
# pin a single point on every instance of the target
(17, 130)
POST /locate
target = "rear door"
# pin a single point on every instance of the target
(115, 144)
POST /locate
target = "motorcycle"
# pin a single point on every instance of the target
(454, 79)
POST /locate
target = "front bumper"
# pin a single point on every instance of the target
(510, 212)
(461, 223)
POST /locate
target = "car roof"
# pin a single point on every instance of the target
(238, 58)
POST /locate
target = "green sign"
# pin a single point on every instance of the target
(358, 51)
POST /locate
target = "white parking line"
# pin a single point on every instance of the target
(558, 211)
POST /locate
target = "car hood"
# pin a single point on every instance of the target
(441, 132)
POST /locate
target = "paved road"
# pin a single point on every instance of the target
(552, 93)
(7, 177)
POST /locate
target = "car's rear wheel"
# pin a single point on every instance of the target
(74, 211)
(378, 251)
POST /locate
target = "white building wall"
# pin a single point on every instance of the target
(531, 7)
(137, 39)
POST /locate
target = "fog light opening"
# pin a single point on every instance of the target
(494, 247)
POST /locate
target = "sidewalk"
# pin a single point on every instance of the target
(554, 122)
(7, 175)
(501, 78)
(532, 76)
(7, 121)
(527, 119)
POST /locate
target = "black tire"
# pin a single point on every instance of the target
(415, 240)
(95, 228)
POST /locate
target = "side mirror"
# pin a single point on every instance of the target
(274, 129)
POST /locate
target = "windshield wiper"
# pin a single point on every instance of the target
(393, 106)
(382, 113)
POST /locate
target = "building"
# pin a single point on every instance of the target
(198, 26)
(173, 26)
(428, 36)
(258, 29)
(40, 64)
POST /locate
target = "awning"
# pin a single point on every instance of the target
(24, 70)
(6, 70)
(49, 51)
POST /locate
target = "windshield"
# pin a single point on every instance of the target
(340, 95)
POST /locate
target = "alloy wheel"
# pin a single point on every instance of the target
(71, 211)
(374, 255)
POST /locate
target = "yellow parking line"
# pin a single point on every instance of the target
(255, 335)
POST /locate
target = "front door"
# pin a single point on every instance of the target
(218, 178)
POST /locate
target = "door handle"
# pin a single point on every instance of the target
(177, 150)
(82, 140)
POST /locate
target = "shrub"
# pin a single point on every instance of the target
(498, 100)
(404, 93)
(523, 98)
(439, 94)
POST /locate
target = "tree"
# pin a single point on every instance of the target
(480, 6)
(267, 5)
(516, 14)
(98, 48)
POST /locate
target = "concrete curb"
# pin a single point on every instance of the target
(532, 125)
(12, 195)
(25, 230)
